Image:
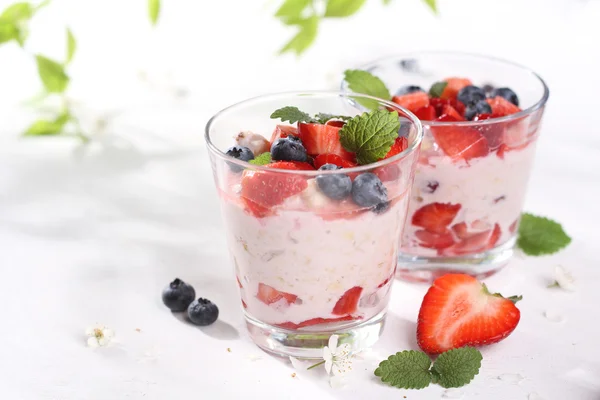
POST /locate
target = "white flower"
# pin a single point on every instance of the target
(98, 336)
(564, 279)
(337, 359)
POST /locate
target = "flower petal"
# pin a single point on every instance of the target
(92, 342)
(341, 366)
(343, 351)
(564, 278)
(328, 365)
(89, 331)
(337, 382)
(327, 355)
(108, 333)
(333, 342)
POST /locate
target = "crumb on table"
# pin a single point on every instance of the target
(138, 330)
(293, 375)
(229, 349)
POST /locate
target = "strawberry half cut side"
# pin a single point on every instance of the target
(436, 217)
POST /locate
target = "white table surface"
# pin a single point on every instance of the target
(92, 235)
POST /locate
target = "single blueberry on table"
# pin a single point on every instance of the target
(470, 95)
(481, 107)
(369, 191)
(334, 186)
(178, 295)
(203, 312)
(408, 89)
(288, 149)
(507, 93)
(241, 153)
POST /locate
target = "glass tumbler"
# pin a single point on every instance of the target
(309, 267)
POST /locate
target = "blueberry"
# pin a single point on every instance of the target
(334, 186)
(470, 95)
(507, 93)
(288, 149)
(203, 312)
(488, 88)
(368, 191)
(404, 130)
(481, 107)
(178, 295)
(409, 89)
(241, 153)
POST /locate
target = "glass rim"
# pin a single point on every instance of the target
(412, 145)
(523, 113)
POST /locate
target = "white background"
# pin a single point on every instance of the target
(92, 235)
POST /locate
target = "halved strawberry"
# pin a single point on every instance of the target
(433, 240)
(453, 87)
(322, 139)
(460, 142)
(426, 113)
(452, 112)
(459, 311)
(502, 107)
(412, 101)
(400, 144)
(283, 131)
(269, 295)
(315, 321)
(348, 303)
(323, 159)
(435, 217)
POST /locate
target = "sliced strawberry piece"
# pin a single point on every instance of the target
(348, 303)
(461, 142)
(244, 304)
(315, 321)
(472, 243)
(322, 139)
(453, 87)
(504, 148)
(400, 144)
(426, 113)
(323, 159)
(412, 101)
(461, 230)
(238, 282)
(494, 237)
(435, 217)
(432, 240)
(283, 131)
(336, 123)
(482, 117)
(502, 107)
(459, 311)
(269, 295)
(452, 112)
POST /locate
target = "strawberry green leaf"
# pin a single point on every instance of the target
(343, 8)
(262, 159)
(366, 83)
(457, 367)
(539, 236)
(408, 369)
(292, 115)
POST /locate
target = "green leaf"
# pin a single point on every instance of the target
(305, 36)
(432, 4)
(153, 10)
(13, 22)
(386, 2)
(17, 12)
(539, 235)
(8, 32)
(343, 8)
(322, 118)
(437, 89)
(408, 369)
(366, 83)
(71, 46)
(48, 127)
(292, 115)
(292, 8)
(370, 135)
(52, 74)
(262, 159)
(457, 367)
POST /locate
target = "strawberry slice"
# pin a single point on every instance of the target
(452, 112)
(335, 122)
(502, 107)
(473, 242)
(426, 113)
(412, 101)
(322, 139)
(262, 190)
(461, 142)
(323, 159)
(348, 303)
(283, 131)
(400, 144)
(513, 227)
(238, 282)
(453, 87)
(269, 295)
(494, 237)
(432, 240)
(435, 217)
(459, 311)
(244, 304)
(315, 321)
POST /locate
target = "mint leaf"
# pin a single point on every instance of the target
(71, 46)
(370, 135)
(263, 159)
(153, 10)
(292, 8)
(52, 74)
(539, 235)
(343, 8)
(457, 367)
(292, 115)
(8, 31)
(437, 89)
(408, 369)
(305, 36)
(322, 118)
(48, 127)
(366, 83)
(432, 4)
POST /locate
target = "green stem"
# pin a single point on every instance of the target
(316, 365)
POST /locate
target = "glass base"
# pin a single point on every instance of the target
(308, 343)
(480, 265)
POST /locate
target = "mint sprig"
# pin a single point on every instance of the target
(293, 114)
(262, 159)
(411, 369)
(322, 118)
(364, 82)
(541, 236)
(370, 135)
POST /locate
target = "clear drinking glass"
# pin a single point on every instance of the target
(475, 203)
(311, 267)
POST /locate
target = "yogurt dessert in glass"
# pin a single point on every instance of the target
(481, 119)
(314, 194)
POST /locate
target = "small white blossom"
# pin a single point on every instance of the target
(337, 359)
(564, 279)
(99, 336)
